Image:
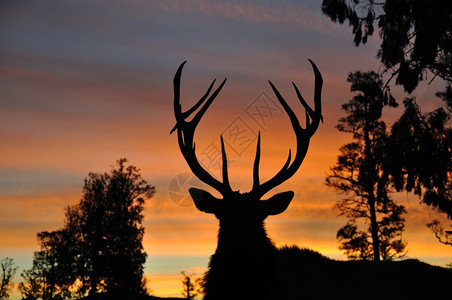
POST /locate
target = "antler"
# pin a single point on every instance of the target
(303, 135)
(186, 130)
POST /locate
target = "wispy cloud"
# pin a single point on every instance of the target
(294, 15)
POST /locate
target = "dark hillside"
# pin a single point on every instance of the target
(319, 277)
(307, 274)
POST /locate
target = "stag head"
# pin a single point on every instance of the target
(236, 205)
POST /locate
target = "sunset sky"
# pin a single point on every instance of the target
(84, 83)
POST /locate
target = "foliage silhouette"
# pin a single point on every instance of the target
(245, 261)
(360, 174)
(420, 155)
(444, 237)
(52, 274)
(190, 286)
(100, 247)
(107, 224)
(7, 269)
(416, 35)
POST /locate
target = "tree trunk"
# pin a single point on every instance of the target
(368, 168)
(374, 229)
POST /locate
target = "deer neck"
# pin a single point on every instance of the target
(246, 255)
(243, 238)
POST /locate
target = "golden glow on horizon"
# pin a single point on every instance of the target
(165, 285)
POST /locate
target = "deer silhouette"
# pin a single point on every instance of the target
(245, 263)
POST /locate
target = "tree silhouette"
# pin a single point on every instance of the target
(100, 247)
(52, 275)
(7, 270)
(416, 38)
(190, 286)
(416, 35)
(360, 174)
(355, 243)
(107, 225)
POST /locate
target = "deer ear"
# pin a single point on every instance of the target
(278, 203)
(204, 201)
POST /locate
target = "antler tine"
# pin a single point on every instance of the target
(288, 169)
(302, 135)
(256, 163)
(195, 107)
(310, 113)
(203, 109)
(317, 90)
(315, 115)
(181, 116)
(225, 164)
(176, 85)
(186, 130)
